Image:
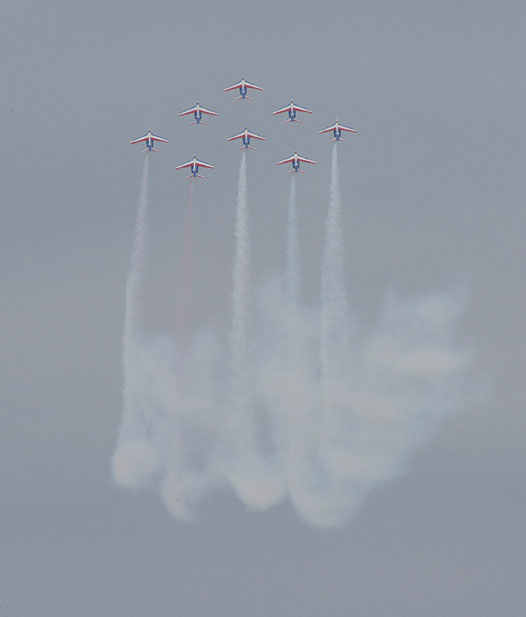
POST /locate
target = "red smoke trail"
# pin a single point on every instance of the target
(185, 273)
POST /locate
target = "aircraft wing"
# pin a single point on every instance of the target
(347, 128)
(233, 86)
(304, 109)
(137, 141)
(189, 111)
(157, 138)
(249, 85)
(189, 164)
(256, 136)
(305, 160)
(287, 160)
(282, 110)
(328, 129)
(205, 165)
(238, 136)
(208, 111)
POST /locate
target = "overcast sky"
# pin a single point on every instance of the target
(433, 195)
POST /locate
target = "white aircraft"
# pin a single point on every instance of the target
(150, 138)
(243, 86)
(337, 129)
(292, 108)
(295, 159)
(194, 165)
(246, 135)
(198, 111)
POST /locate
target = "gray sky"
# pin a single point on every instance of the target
(432, 189)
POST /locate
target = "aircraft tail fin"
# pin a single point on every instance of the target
(335, 139)
(152, 150)
(238, 98)
(196, 122)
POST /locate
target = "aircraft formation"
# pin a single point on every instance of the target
(244, 86)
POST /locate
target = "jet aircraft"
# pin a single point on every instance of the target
(291, 108)
(194, 165)
(198, 111)
(337, 129)
(243, 86)
(295, 159)
(246, 135)
(150, 138)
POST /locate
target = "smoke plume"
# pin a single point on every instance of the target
(301, 403)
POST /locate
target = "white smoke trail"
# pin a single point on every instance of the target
(185, 273)
(240, 419)
(251, 471)
(288, 381)
(133, 308)
(306, 397)
(334, 345)
(135, 459)
(335, 355)
(292, 283)
(240, 310)
(168, 393)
